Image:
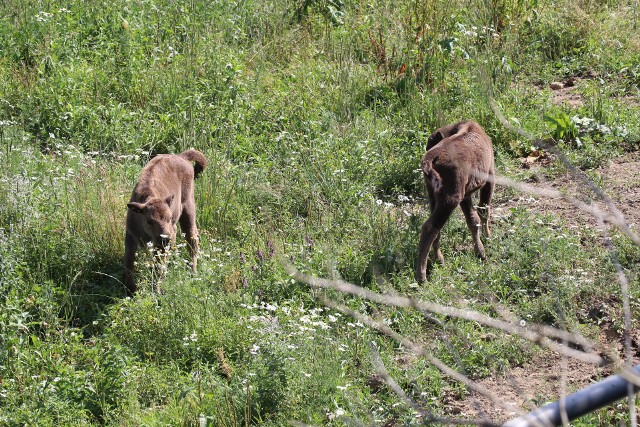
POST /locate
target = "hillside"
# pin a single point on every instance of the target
(313, 116)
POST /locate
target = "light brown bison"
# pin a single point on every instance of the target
(458, 162)
(162, 197)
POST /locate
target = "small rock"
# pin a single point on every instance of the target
(488, 337)
(556, 85)
(375, 383)
(454, 410)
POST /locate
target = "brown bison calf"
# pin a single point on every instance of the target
(162, 197)
(458, 162)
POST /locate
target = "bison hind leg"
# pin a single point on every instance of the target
(474, 224)
(486, 192)
(188, 227)
(429, 234)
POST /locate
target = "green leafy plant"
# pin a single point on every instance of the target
(563, 127)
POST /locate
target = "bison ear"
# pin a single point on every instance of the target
(435, 137)
(168, 200)
(136, 207)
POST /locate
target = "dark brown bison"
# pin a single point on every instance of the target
(458, 162)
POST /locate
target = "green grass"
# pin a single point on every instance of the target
(313, 119)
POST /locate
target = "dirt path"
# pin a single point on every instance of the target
(543, 380)
(620, 180)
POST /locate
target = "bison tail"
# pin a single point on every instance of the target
(196, 157)
(431, 177)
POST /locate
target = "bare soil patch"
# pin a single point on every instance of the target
(620, 180)
(548, 376)
(545, 379)
(566, 93)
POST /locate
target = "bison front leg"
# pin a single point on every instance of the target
(429, 234)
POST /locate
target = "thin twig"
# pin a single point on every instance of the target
(422, 351)
(624, 287)
(539, 334)
(591, 209)
(574, 171)
(426, 415)
(393, 385)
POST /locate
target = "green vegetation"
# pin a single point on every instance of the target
(314, 115)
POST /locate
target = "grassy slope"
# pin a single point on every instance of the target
(313, 133)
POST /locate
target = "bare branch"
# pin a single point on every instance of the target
(591, 209)
(539, 334)
(426, 415)
(624, 287)
(616, 217)
(393, 385)
(422, 351)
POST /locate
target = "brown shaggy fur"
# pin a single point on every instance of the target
(458, 162)
(162, 197)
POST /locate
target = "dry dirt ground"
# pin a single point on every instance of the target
(548, 375)
(620, 181)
